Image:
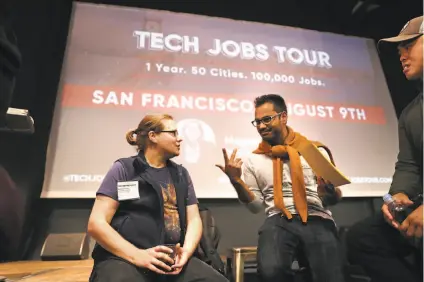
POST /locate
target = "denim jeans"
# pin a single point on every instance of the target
(314, 244)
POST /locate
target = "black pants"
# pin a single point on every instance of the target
(114, 270)
(381, 250)
(314, 244)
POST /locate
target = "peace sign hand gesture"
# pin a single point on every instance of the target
(232, 166)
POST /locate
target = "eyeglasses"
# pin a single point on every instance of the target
(265, 120)
(172, 132)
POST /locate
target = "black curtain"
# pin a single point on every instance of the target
(41, 28)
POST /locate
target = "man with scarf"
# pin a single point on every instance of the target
(279, 176)
(381, 243)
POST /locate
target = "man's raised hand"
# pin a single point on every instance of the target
(232, 165)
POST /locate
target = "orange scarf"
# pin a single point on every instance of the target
(291, 148)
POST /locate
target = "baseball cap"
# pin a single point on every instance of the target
(411, 30)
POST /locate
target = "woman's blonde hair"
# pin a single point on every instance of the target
(139, 136)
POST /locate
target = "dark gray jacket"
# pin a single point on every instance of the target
(408, 177)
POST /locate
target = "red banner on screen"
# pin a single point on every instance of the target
(87, 96)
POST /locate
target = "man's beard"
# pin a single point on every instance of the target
(273, 139)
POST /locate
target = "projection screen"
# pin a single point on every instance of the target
(123, 63)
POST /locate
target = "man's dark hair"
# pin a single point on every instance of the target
(275, 99)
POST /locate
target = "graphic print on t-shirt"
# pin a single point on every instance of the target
(171, 216)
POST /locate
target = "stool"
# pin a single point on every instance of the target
(245, 257)
(236, 259)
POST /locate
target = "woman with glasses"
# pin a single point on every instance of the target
(145, 218)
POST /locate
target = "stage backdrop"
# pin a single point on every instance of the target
(123, 63)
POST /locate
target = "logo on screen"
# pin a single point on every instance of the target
(198, 137)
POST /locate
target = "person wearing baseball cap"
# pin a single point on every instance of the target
(380, 243)
(409, 44)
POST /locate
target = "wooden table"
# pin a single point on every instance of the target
(47, 271)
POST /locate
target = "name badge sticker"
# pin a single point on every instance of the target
(128, 190)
